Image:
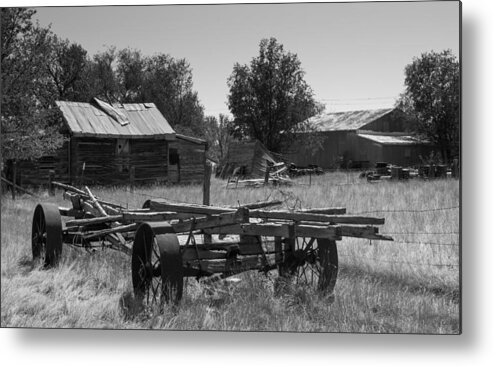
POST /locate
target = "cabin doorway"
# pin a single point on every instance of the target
(173, 165)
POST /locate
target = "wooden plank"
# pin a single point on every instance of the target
(325, 211)
(365, 232)
(163, 205)
(270, 229)
(262, 204)
(95, 202)
(241, 215)
(321, 232)
(95, 220)
(295, 216)
(119, 229)
(133, 216)
(87, 207)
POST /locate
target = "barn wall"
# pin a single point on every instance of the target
(366, 150)
(406, 155)
(395, 121)
(322, 149)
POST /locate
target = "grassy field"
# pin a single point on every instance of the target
(407, 286)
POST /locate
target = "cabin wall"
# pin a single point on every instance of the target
(97, 161)
(190, 166)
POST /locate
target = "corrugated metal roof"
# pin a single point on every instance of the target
(394, 140)
(86, 119)
(346, 121)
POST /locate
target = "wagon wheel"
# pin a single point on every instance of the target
(157, 270)
(47, 234)
(314, 262)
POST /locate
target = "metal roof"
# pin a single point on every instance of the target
(394, 139)
(144, 120)
(346, 121)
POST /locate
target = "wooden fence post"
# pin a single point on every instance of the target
(51, 178)
(14, 178)
(206, 198)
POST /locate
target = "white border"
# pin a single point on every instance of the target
(81, 347)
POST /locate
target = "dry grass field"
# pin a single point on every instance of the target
(410, 285)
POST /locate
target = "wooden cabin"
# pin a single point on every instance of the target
(116, 145)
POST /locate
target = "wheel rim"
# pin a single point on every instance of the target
(314, 263)
(47, 234)
(156, 267)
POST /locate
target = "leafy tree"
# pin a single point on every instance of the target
(168, 83)
(218, 136)
(67, 66)
(270, 98)
(103, 76)
(432, 94)
(130, 73)
(29, 120)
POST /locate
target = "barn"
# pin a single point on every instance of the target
(252, 157)
(117, 144)
(359, 139)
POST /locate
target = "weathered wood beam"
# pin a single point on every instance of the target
(131, 216)
(271, 229)
(239, 216)
(87, 207)
(364, 232)
(95, 220)
(163, 205)
(324, 211)
(321, 232)
(95, 202)
(296, 216)
(114, 230)
(263, 204)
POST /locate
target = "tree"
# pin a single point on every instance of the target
(168, 83)
(29, 121)
(432, 94)
(67, 66)
(217, 133)
(270, 98)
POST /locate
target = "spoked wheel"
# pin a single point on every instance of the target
(157, 269)
(47, 234)
(314, 262)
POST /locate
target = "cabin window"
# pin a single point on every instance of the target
(174, 158)
(407, 152)
(123, 155)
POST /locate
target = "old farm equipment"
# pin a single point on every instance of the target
(169, 241)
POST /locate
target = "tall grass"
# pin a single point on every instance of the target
(410, 285)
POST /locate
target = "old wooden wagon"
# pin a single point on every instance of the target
(168, 241)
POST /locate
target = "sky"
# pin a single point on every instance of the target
(353, 54)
